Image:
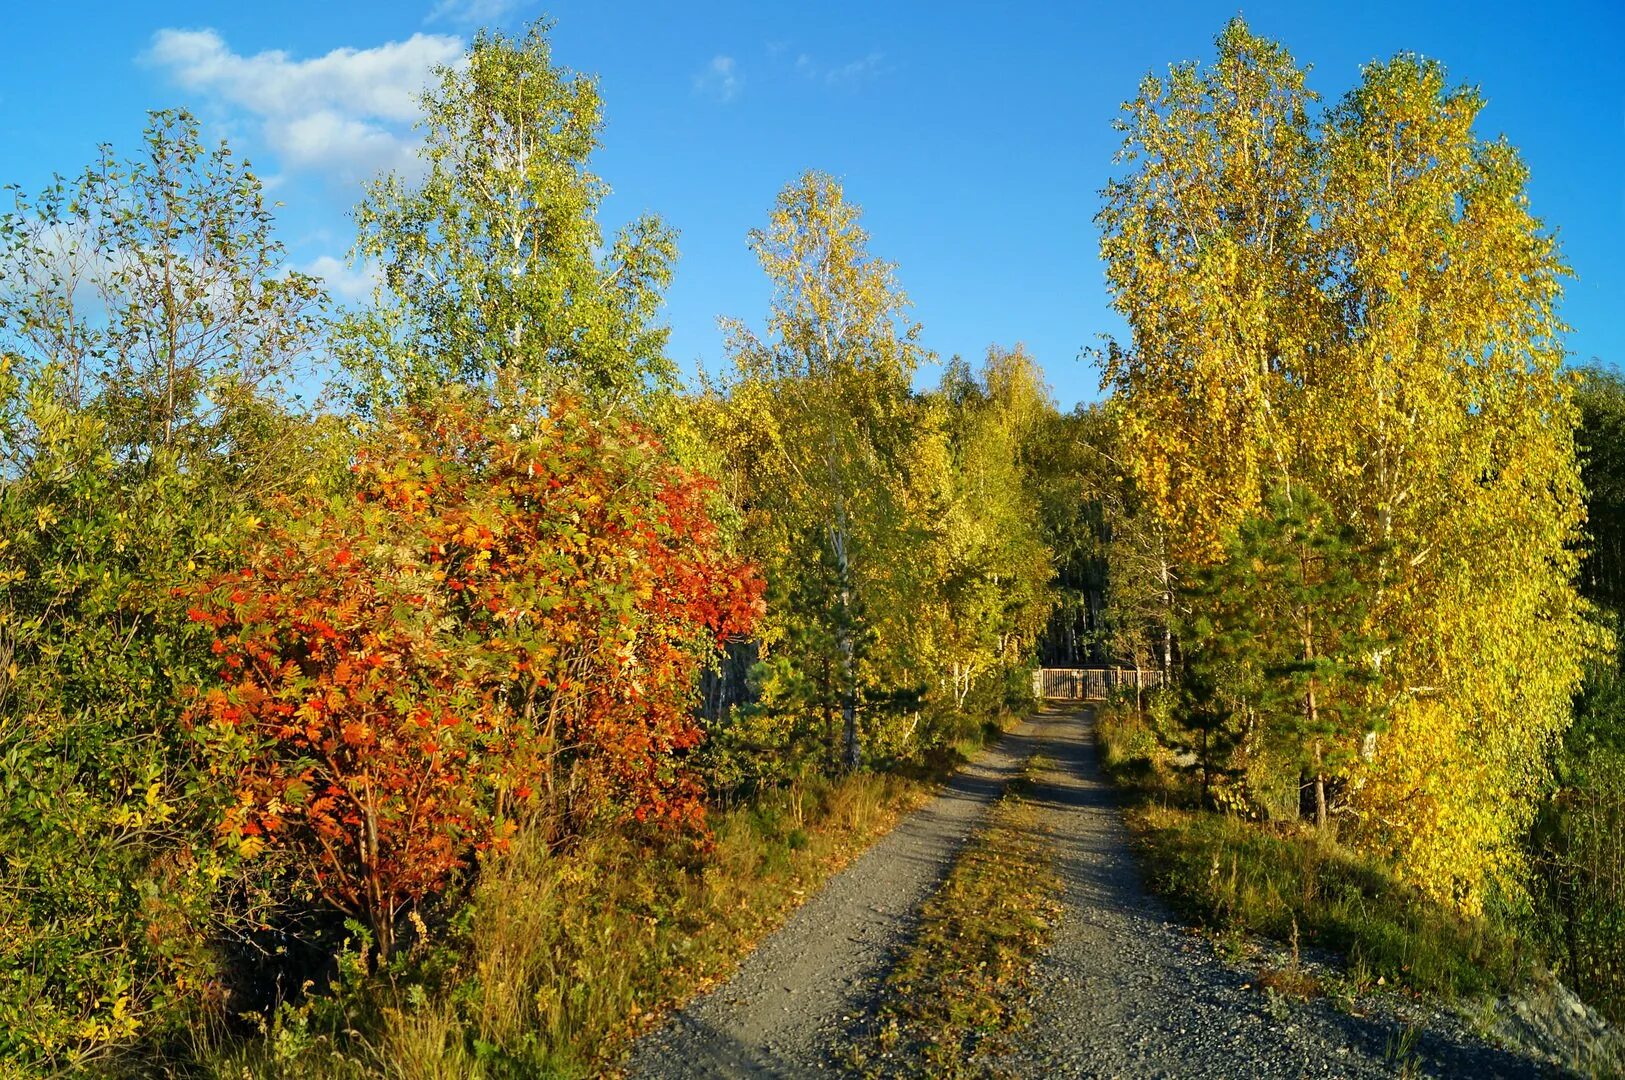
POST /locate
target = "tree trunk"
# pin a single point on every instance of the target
(827, 700)
(1311, 711)
(849, 695)
(845, 643)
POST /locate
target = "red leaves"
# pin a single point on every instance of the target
(495, 612)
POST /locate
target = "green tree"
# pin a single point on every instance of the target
(149, 335)
(155, 288)
(494, 268)
(993, 569)
(1577, 847)
(1601, 444)
(827, 420)
(1285, 615)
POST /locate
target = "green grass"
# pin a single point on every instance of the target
(1242, 876)
(956, 992)
(562, 960)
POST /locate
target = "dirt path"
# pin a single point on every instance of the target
(1123, 990)
(787, 1010)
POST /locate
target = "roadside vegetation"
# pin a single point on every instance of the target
(1377, 576)
(558, 959)
(1298, 885)
(462, 719)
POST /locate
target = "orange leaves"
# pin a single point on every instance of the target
(495, 612)
(357, 734)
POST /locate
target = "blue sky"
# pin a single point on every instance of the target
(976, 137)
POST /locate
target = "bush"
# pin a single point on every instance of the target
(1129, 749)
(505, 621)
(121, 915)
(562, 957)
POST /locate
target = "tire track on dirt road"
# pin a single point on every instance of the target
(787, 1011)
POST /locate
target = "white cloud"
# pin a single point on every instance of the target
(326, 141)
(347, 113)
(346, 282)
(849, 75)
(720, 79)
(472, 12)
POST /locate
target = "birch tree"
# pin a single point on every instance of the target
(827, 390)
(1209, 250)
(494, 270)
(1362, 302)
(1447, 428)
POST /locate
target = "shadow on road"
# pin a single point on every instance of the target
(1151, 984)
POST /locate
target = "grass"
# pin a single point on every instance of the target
(1236, 875)
(957, 989)
(559, 960)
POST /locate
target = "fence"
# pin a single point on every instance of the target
(1090, 684)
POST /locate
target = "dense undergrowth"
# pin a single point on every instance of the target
(559, 960)
(1287, 880)
(955, 994)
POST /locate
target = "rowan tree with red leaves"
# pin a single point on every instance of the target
(503, 622)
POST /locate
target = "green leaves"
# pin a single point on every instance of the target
(154, 288)
(492, 271)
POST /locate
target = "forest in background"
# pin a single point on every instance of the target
(493, 697)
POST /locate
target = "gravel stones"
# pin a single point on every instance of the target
(1124, 989)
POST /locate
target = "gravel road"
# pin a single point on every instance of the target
(787, 1010)
(1124, 989)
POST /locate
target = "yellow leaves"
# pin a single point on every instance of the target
(118, 1024)
(153, 810)
(1367, 311)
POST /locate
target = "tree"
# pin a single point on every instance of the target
(149, 338)
(1364, 305)
(1210, 258)
(492, 268)
(993, 569)
(155, 289)
(1451, 441)
(825, 399)
(1286, 614)
(1575, 844)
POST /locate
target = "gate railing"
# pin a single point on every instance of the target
(1090, 683)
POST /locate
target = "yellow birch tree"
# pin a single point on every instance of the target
(1364, 304)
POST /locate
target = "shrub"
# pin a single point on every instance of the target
(505, 620)
(1128, 746)
(1237, 874)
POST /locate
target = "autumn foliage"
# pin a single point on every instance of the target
(503, 621)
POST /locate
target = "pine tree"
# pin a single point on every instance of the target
(1284, 619)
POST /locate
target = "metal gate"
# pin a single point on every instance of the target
(1090, 684)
